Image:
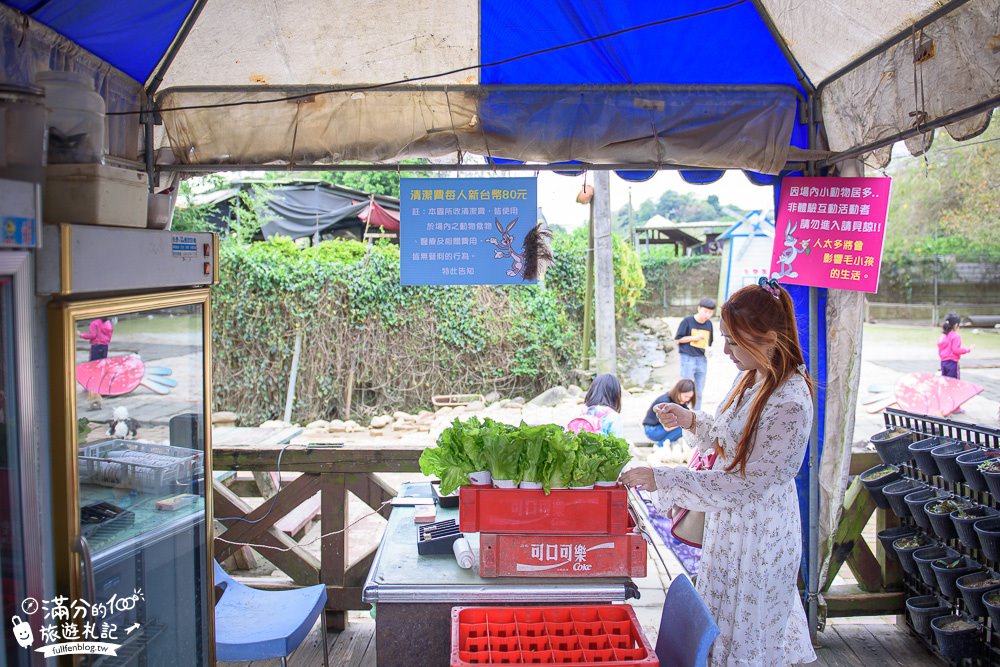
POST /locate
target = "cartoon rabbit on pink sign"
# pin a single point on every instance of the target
(791, 251)
(535, 255)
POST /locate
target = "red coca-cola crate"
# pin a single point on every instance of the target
(598, 511)
(502, 555)
(572, 636)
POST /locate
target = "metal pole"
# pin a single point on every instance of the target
(812, 563)
(604, 276)
(588, 298)
(812, 587)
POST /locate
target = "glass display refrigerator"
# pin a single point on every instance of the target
(131, 397)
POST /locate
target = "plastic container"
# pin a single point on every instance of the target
(890, 535)
(957, 637)
(892, 445)
(506, 555)
(988, 532)
(992, 483)
(160, 209)
(921, 450)
(22, 133)
(896, 491)
(948, 570)
(492, 635)
(941, 522)
(140, 466)
(924, 557)
(95, 194)
(969, 463)
(597, 511)
(974, 586)
(876, 478)
(916, 501)
(905, 553)
(76, 117)
(946, 456)
(924, 608)
(991, 601)
(964, 525)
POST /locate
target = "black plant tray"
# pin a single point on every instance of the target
(437, 538)
(450, 500)
(103, 519)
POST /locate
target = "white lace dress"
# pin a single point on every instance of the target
(752, 546)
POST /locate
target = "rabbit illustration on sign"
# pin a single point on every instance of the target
(793, 247)
(505, 248)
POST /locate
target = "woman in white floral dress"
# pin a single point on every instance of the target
(753, 539)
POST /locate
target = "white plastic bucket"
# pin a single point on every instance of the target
(582, 488)
(605, 483)
(481, 478)
(531, 485)
(22, 134)
(504, 484)
(76, 117)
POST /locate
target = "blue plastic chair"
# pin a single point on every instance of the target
(687, 628)
(252, 624)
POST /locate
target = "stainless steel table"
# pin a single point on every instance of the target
(414, 594)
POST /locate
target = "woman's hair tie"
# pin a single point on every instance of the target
(771, 286)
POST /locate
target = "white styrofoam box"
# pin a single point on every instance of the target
(95, 194)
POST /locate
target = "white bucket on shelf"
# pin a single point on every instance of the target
(76, 117)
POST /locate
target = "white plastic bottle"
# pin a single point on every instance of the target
(76, 117)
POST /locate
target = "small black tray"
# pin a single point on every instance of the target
(451, 500)
(102, 519)
(437, 538)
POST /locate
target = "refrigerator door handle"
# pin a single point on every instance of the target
(81, 547)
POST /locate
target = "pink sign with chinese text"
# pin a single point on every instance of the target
(829, 232)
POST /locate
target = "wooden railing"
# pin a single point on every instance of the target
(332, 471)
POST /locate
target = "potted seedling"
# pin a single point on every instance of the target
(946, 456)
(948, 569)
(892, 445)
(974, 586)
(990, 470)
(876, 478)
(939, 512)
(896, 491)
(904, 548)
(965, 518)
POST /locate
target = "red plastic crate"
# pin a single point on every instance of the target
(573, 636)
(562, 555)
(598, 511)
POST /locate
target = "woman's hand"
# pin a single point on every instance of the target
(640, 478)
(672, 415)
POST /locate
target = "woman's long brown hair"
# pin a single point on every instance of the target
(752, 315)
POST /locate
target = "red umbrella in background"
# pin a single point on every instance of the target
(933, 395)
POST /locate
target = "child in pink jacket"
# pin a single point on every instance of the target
(950, 348)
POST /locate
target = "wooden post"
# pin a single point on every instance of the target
(604, 275)
(588, 292)
(333, 518)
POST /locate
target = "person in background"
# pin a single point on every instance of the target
(604, 401)
(99, 335)
(694, 336)
(950, 348)
(752, 546)
(683, 393)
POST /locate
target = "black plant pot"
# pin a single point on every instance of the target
(988, 532)
(905, 554)
(922, 609)
(924, 557)
(964, 526)
(893, 444)
(921, 450)
(992, 483)
(969, 463)
(916, 501)
(895, 492)
(958, 642)
(874, 486)
(946, 456)
(946, 576)
(890, 535)
(974, 586)
(992, 607)
(942, 523)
